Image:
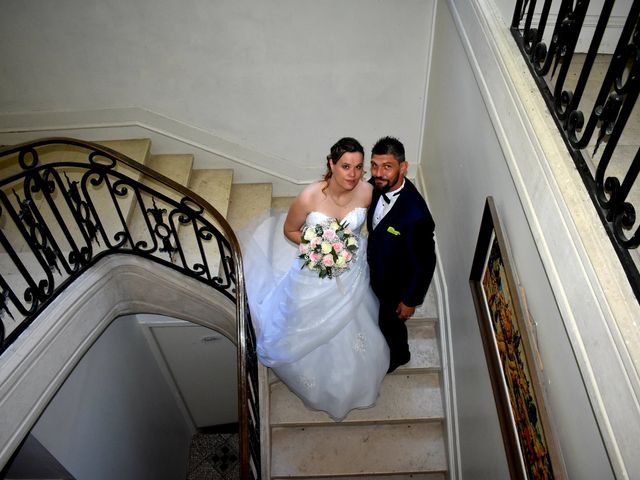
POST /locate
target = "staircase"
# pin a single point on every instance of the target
(402, 437)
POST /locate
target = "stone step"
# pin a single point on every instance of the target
(411, 476)
(214, 186)
(249, 202)
(136, 149)
(175, 167)
(414, 396)
(278, 203)
(423, 344)
(365, 450)
(429, 308)
(100, 197)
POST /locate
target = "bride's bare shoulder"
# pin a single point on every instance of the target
(364, 192)
(366, 187)
(308, 198)
(313, 192)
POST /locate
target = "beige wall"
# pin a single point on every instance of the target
(464, 160)
(283, 78)
(115, 416)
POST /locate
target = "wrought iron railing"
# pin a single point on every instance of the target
(569, 57)
(65, 204)
(248, 398)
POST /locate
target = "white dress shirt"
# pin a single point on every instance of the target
(383, 207)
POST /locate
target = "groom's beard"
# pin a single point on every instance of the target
(386, 186)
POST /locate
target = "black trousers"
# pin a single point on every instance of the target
(395, 332)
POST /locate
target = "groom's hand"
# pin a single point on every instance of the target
(404, 312)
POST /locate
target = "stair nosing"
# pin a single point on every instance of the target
(358, 423)
(363, 475)
(435, 461)
(420, 320)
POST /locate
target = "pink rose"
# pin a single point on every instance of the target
(347, 231)
(303, 248)
(337, 247)
(329, 234)
(315, 257)
(346, 254)
(315, 242)
(327, 260)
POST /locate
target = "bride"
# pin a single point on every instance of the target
(319, 335)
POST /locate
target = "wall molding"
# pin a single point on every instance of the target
(446, 352)
(167, 135)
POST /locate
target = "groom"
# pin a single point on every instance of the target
(401, 249)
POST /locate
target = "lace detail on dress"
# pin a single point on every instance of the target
(360, 344)
(307, 382)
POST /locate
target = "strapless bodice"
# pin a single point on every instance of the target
(354, 219)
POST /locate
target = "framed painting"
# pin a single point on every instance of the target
(532, 452)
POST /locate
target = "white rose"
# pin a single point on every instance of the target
(309, 234)
(326, 247)
(341, 262)
(351, 242)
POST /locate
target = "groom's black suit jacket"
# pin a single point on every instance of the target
(401, 249)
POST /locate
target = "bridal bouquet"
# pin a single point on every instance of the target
(328, 248)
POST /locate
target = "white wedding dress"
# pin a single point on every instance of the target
(320, 336)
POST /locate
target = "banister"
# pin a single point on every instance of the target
(610, 175)
(59, 211)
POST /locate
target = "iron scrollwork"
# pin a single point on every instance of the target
(67, 203)
(62, 213)
(608, 116)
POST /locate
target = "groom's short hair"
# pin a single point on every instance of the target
(389, 146)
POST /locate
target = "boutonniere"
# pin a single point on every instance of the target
(393, 231)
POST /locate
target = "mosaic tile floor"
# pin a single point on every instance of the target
(214, 456)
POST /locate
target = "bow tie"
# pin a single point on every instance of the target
(386, 198)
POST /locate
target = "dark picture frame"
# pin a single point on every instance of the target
(530, 445)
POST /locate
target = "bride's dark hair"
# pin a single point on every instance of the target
(342, 146)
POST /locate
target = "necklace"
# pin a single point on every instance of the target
(337, 203)
(347, 195)
(335, 200)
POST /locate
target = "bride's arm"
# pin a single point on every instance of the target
(297, 215)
